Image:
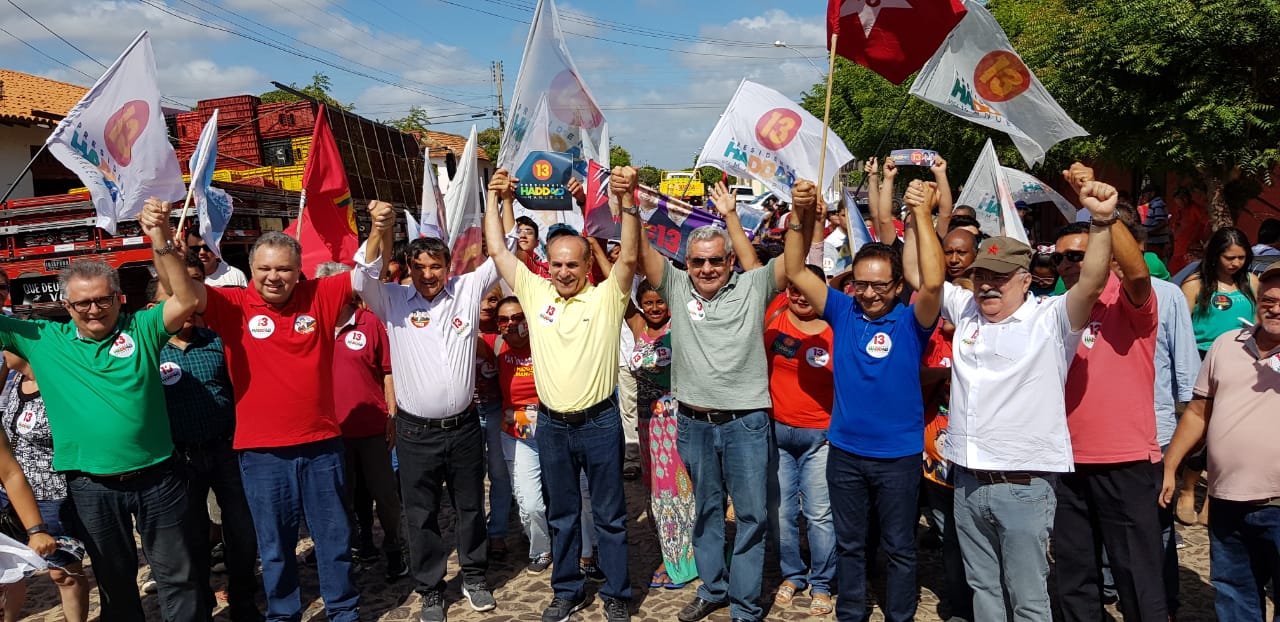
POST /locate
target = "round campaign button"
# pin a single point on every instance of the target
(355, 340)
(880, 345)
(170, 373)
(123, 346)
(817, 357)
(304, 325)
(261, 326)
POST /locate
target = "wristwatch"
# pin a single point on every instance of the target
(633, 210)
(39, 528)
(1104, 223)
(165, 250)
(796, 226)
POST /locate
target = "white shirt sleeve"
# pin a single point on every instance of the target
(366, 280)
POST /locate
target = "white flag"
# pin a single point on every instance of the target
(547, 70)
(430, 221)
(464, 211)
(411, 228)
(976, 75)
(213, 205)
(1026, 187)
(116, 142)
(766, 136)
(987, 192)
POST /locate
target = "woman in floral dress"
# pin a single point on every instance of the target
(671, 504)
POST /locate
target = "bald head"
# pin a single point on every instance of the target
(959, 249)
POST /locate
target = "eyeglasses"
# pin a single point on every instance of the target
(508, 319)
(526, 232)
(1071, 256)
(716, 262)
(1268, 303)
(879, 287)
(82, 306)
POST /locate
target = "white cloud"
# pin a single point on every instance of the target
(100, 27)
(205, 79)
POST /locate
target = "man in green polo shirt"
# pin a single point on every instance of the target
(100, 380)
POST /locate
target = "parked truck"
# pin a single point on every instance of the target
(683, 185)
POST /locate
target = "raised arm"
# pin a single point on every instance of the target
(381, 238)
(622, 183)
(882, 210)
(920, 197)
(939, 169)
(1128, 254)
(494, 236)
(170, 263)
(804, 206)
(727, 206)
(601, 256)
(1100, 200)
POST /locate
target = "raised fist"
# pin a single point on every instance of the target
(921, 195)
(871, 167)
(804, 198)
(1099, 198)
(155, 213)
(622, 180)
(382, 215)
(1077, 176)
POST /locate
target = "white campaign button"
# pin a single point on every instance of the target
(123, 346)
(356, 340)
(817, 357)
(880, 345)
(261, 326)
(170, 373)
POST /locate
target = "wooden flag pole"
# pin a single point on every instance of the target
(185, 204)
(826, 121)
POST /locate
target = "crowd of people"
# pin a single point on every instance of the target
(1021, 397)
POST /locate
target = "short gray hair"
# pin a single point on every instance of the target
(706, 233)
(330, 268)
(87, 269)
(277, 239)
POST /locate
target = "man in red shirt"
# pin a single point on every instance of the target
(364, 403)
(1112, 497)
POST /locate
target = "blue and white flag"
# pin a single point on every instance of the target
(213, 205)
(116, 142)
(987, 192)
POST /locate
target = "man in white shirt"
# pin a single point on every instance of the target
(217, 273)
(1008, 429)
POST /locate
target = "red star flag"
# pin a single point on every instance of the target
(976, 75)
(115, 139)
(987, 192)
(327, 227)
(891, 37)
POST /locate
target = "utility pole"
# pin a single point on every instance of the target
(497, 80)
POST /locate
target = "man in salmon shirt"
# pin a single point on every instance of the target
(280, 351)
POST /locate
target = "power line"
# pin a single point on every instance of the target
(42, 53)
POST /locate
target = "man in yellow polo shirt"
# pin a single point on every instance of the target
(573, 334)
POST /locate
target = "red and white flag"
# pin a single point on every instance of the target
(893, 38)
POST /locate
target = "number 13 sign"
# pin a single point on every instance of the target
(543, 176)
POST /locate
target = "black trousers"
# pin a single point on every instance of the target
(431, 458)
(1115, 505)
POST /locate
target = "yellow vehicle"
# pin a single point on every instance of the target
(683, 185)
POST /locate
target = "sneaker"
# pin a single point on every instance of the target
(365, 554)
(432, 608)
(217, 558)
(396, 568)
(590, 570)
(149, 586)
(479, 597)
(539, 565)
(560, 609)
(616, 610)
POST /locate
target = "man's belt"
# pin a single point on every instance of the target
(446, 423)
(1021, 478)
(716, 417)
(578, 417)
(116, 478)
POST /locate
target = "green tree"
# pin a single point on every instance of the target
(415, 121)
(319, 89)
(489, 139)
(649, 175)
(619, 156)
(710, 175)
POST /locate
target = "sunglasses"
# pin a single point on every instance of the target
(198, 247)
(507, 319)
(1071, 256)
(716, 262)
(82, 306)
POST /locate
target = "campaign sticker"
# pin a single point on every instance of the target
(1274, 363)
(460, 326)
(548, 315)
(304, 325)
(355, 340)
(818, 357)
(26, 423)
(1221, 302)
(913, 157)
(880, 345)
(1091, 334)
(261, 326)
(419, 318)
(122, 347)
(696, 311)
(971, 339)
(785, 345)
(170, 373)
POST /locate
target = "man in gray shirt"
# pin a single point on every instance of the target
(723, 433)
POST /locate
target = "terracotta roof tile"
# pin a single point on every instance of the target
(440, 143)
(24, 94)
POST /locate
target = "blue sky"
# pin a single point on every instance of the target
(661, 104)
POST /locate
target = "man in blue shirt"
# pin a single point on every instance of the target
(874, 459)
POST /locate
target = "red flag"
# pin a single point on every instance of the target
(893, 38)
(598, 219)
(328, 223)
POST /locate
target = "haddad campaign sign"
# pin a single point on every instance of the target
(543, 176)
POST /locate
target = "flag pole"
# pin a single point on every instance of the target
(26, 169)
(185, 205)
(826, 121)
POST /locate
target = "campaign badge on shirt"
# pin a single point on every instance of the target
(1221, 302)
(460, 326)
(786, 345)
(261, 326)
(170, 373)
(664, 356)
(26, 423)
(304, 325)
(122, 347)
(971, 339)
(548, 315)
(1274, 363)
(1091, 334)
(355, 340)
(697, 312)
(419, 318)
(817, 357)
(880, 345)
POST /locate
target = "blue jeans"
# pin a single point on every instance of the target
(956, 595)
(889, 487)
(107, 510)
(1244, 548)
(564, 452)
(802, 486)
(282, 484)
(496, 467)
(726, 458)
(1004, 535)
